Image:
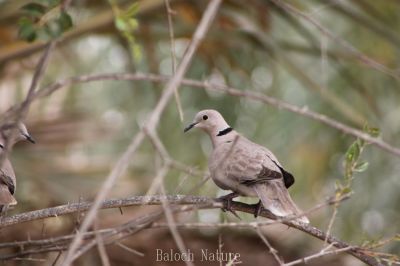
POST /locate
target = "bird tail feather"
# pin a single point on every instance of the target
(275, 198)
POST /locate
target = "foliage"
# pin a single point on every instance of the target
(127, 24)
(253, 46)
(43, 20)
(352, 162)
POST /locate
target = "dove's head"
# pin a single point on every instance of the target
(23, 134)
(210, 121)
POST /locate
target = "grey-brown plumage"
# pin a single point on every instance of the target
(8, 184)
(245, 167)
(8, 181)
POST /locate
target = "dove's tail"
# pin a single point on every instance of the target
(275, 198)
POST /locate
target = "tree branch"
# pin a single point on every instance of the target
(197, 201)
(246, 93)
(151, 124)
(357, 53)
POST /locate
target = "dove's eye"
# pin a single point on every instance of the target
(205, 117)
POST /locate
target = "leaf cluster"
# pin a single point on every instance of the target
(126, 24)
(352, 162)
(44, 19)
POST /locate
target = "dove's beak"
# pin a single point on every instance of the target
(189, 127)
(29, 138)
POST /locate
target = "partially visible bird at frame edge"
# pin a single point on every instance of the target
(246, 168)
(8, 181)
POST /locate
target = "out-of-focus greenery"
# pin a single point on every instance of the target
(82, 130)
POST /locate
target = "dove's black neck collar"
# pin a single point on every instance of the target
(1, 146)
(224, 132)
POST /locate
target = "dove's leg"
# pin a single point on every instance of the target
(3, 210)
(227, 201)
(258, 209)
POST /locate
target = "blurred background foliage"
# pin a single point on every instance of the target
(253, 45)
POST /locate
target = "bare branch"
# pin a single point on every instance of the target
(359, 55)
(170, 12)
(151, 124)
(19, 112)
(145, 222)
(322, 253)
(272, 250)
(113, 203)
(172, 225)
(102, 250)
(332, 220)
(246, 93)
(131, 250)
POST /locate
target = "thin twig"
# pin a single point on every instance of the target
(170, 12)
(322, 253)
(331, 221)
(151, 124)
(102, 250)
(131, 250)
(172, 226)
(246, 93)
(359, 55)
(19, 112)
(272, 250)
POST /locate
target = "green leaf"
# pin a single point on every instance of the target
(346, 190)
(65, 21)
(360, 142)
(34, 9)
(120, 24)
(136, 52)
(27, 30)
(373, 131)
(132, 10)
(361, 167)
(353, 152)
(52, 29)
(133, 24)
(51, 3)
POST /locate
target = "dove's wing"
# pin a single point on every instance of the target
(251, 163)
(7, 184)
(7, 174)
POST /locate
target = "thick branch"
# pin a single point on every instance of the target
(198, 201)
(108, 204)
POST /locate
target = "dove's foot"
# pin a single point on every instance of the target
(227, 202)
(258, 209)
(3, 211)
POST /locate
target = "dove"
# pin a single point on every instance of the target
(246, 168)
(8, 181)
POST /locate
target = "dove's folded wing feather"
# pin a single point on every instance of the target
(249, 163)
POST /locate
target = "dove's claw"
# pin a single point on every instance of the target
(227, 203)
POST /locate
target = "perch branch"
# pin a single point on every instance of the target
(198, 201)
